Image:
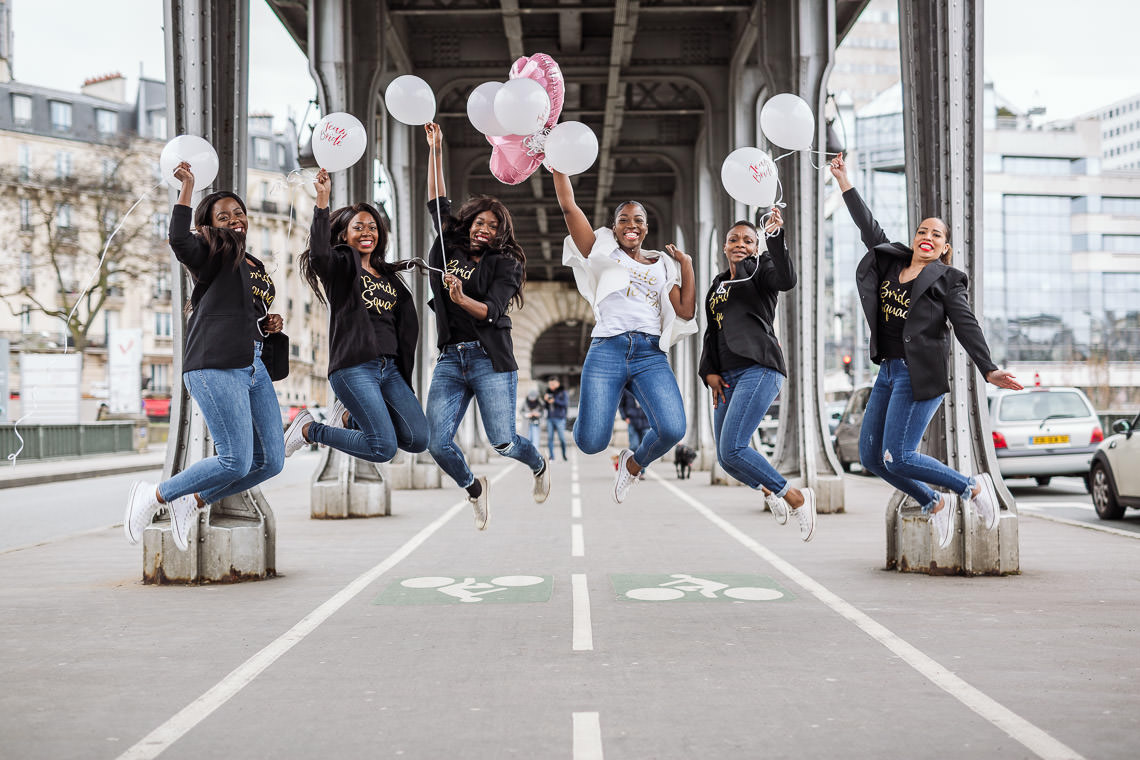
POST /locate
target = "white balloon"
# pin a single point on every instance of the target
(749, 176)
(481, 109)
(571, 147)
(201, 156)
(410, 100)
(522, 106)
(339, 140)
(787, 121)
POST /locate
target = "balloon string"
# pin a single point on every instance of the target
(15, 427)
(778, 203)
(99, 267)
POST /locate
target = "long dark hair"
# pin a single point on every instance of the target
(338, 226)
(457, 232)
(222, 241)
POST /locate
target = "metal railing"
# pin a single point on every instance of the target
(64, 441)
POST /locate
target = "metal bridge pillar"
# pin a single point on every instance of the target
(207, 54)
(798, 44)
(941, 46)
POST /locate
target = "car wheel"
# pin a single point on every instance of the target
(1103, 497)
(1043, 481)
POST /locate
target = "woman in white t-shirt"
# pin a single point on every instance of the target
(643, 302)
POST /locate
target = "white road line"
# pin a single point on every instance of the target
(583, 628)
(577, 541)
(587, 736)
(64, 537)
(576, 507)
(1031, 511)
(1056, 505)
(1033, 738)
(160, 739)
(575, 489)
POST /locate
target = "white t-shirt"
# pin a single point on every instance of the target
(637, 308)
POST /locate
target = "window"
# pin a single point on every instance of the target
(160, 378)
(1120, 206)
(265, 245)
(63, 216)
(63, 165)
(22, 110)
(261, 150)
(25, 214)
(24, 162)
(60, 116)
(25, 319)
(106, 122)
(158, 126)
(163, 322)
(27, 270)
(162, 283)
(110, 219)
(282, 157)
(1036, 165)
(160, 224)
(1121, 243)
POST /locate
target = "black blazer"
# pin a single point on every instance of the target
(222, 326)
(749, 313)
(938, 294)
(495, 281)
(352, 334)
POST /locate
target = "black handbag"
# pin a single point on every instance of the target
(275, 355)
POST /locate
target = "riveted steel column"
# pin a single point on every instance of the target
(941, 47)
(798, 45)
(207, 67)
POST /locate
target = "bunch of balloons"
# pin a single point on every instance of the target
(519, 118)
(749, 174)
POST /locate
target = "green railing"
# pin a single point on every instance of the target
(64, 441)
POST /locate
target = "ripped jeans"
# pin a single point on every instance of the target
(464, 372)
(893, 426)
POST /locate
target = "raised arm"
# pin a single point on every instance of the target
(869, 229)
(780, 274)
(581, 231)
(969, 334)
(185, 244)
(435, 184)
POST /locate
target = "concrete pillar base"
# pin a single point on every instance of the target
(225, 547)
(718, 477)
(912, 544)
(344, 487)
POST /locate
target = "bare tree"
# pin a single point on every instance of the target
(74, 228)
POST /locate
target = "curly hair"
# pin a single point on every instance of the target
(222, 241)
(458, 228)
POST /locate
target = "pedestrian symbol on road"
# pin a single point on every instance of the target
(707, 587)
(443, 589)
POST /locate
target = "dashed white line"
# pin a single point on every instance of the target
(1030, 510)
(583, 628)
(160, 739)
(575, 488)
(575, 507)
(577, 541)
(1033, 738)
(587, 736)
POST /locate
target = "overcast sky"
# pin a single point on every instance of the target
(1069, 57)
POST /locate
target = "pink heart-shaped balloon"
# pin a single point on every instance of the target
(515, 157)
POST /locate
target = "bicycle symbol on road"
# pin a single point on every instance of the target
(440, 589)
(684, 585)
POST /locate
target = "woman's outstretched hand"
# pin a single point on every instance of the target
(677, 254)
(323, 184)
(775, 221)
(434, 135)
(839, 171)
(183, 174)
(1003, 378)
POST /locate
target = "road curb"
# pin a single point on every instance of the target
(55, 477)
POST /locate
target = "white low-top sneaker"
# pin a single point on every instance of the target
(481, 505)
(986, 502)
(778, 507)
(805, 515)
(623, 479)
(542, 483)
(142, 503)
(294, 437)
(943, 520)
(182, 513)
(336, 414)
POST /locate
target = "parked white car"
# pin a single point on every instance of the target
(1044, 432)
(1114, 478)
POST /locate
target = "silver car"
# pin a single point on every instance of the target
(1044, 432)
(1114, 479)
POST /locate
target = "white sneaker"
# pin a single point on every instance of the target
(294, 437)
(778, 507)
(142, 503)
(943, 520)
(182, 513)
(623, 479)
(481, 505)
(542, 483)
(805, 515)
(986, 501)
(336, 414)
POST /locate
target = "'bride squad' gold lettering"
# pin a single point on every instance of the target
(892, 302)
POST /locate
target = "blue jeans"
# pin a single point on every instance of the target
(751, 390)
(556, 425)
(635, 437)
(893, 425)
(464, 371)
(635, 359)
(534, 430)
(386, 412)
(241, 412)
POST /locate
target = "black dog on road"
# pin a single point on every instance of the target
(683, 458)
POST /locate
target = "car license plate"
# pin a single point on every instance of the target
(1045, 440)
